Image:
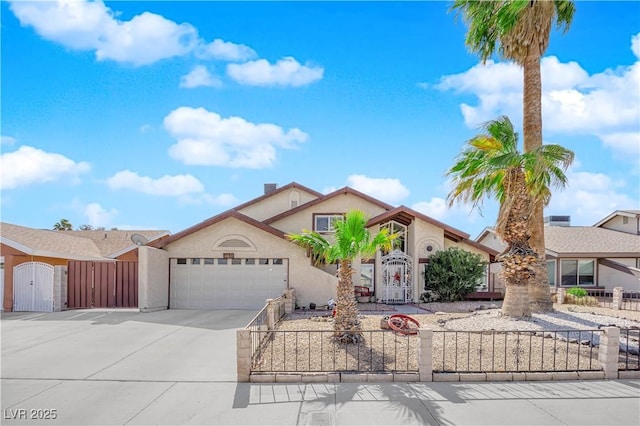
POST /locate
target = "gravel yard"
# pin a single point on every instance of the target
(463, 340)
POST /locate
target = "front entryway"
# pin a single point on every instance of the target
(219, 283)
(33, 287)
(397, 278)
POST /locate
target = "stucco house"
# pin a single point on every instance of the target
(602, 256)
(34, 254)
(241, 257)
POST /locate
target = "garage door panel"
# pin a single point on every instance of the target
(217, 285)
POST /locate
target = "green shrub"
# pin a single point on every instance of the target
(577, 292)
(451, 274)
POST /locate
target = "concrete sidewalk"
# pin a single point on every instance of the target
(179, 367)
(107, 402)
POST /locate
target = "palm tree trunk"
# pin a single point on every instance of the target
(346, 324)
(518, 257)
(539, 293)
(516, 300)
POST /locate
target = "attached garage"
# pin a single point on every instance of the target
(226, 283)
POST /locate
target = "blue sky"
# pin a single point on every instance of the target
(158, 115)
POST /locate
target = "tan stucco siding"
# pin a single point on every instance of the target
(276, 204)
(610, 278)
(153, 279)
(311, 284)
(467, 247)
(491, 240)
(295, 223)
(426, 232)
(617, 224)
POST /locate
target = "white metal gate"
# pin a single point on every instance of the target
(397, 278)
(33, 287)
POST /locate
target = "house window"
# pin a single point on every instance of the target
(625, 220)
(222, 261)
(401, 230)
(577, 272)
(366, 275)
(195, 261)
(324, 222)
(263, 261)
(208, 261)
(481, 284)
(277, 261)
(236, 261)
(551, 272)
(250, 261)
(181, 261)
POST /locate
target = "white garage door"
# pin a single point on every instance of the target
(216, 283)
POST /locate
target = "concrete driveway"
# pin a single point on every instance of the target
(178, 367)
(173, 345)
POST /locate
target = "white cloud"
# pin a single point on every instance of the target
(625, 143)
(199, 76)
(169, 186)
(82, 25)
(225, 51)
(98, 216)
(206, 138)
(286, 72)
(30, 165)
(435, 208)
(604, 104)
(388, 190)
(7, 140)
(590, 197)
(635, 45)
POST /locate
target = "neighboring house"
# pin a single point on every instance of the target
(241, 257)
(602, 256)
(43, 250)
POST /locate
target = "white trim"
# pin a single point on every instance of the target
(16, 245)
(614, 214)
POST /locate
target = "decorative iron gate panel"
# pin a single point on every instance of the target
(397, 278)
(33, 287)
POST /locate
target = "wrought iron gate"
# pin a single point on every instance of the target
(397, 278)
(33, 287)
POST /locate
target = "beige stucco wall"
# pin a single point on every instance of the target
(339, 204)
(153, 279)
(276, 204)
(491, 240)
(617, 224)
(610, 278)
(311, 284)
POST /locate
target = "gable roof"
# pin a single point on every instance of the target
(47, 243)
(292, 185)
(212, 221)
(77, 245)
(402, 212)
(342, 191)
(586, 241)
(627, 213)
(116, 242)
(590, 240)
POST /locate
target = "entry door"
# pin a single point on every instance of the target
(33, 287)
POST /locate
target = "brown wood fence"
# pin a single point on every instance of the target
(102, 284)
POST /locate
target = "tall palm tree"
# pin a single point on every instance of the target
(352, 239)
(491, 166)
(519, 30)
(63, 225)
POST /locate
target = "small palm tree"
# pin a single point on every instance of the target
(519, 30)
(491, 166)
(63, 225)
(352, 239)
